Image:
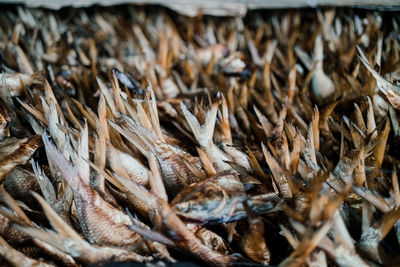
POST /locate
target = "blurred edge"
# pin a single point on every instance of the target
(216, 7)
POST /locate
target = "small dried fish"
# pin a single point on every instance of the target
(16, 82)
(17, 258)
(212, 135)
(15, 151)
(96, 216)
(389, 90)
(67, 240)
(321, 85)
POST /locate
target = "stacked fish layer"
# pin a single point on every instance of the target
(133, 134)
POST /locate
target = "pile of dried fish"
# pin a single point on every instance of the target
(136, 134)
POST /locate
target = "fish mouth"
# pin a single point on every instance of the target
(191, 219)
(209, 221)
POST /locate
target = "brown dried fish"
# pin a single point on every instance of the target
(15, 83)
(15, 151)
(98, 219)
(17, 258)
(223, 145)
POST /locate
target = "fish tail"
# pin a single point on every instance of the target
(203, 133)
(69, 172)
(225, 125)
(44, 182)
(364, 60)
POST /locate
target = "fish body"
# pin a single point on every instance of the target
(16, 82)
(99, 220)
(14, 152)
(19, 182)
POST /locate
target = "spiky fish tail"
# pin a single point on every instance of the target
(203, 133)
(69, 172)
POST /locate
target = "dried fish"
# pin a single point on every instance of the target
(322, 86)
(16, 82)
(226, 142)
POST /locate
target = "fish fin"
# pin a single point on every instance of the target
(142, 116)
(104, 90)
(103, 135)
(266, 125)
(45, 184)
(6, 250)
(131, 137)
(15, 257)
(83, 155)
(69, 172)
(194, 169)
(310, 240)
(389, 219)
(206, 162)
(278, 173)
(325, 115)
(71, 116)
(304, 57)
(147, 137)
(365, 61)
(155, 180)
(148, 233)
(391, 90)
(13, 205)
(241, 170)
(55, 220)
(138, 190)
(129, 104)
(225, 125)
(193, 122)
(151, 102)
(35, 113)
(380, 147)
(315, 128)
(378, 201)
(86, 112)
(117, 94)
(50, 98)
(395, 184)
(55, 132)
(371, 124)
(54, 239)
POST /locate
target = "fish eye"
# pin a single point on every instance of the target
(214, 242)
(184, 206)
(210, 192)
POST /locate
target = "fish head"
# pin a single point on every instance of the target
(209, 200)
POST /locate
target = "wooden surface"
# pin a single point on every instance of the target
(217, 7)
